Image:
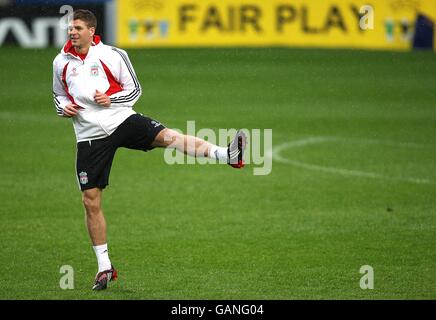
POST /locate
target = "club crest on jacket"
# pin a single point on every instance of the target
(94, 70)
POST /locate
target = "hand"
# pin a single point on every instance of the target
(102, 99)
(71, 110)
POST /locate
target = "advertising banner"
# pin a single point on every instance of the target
(37, 26)
(381, 24)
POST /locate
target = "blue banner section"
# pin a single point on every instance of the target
(57, 2)
(37, 26)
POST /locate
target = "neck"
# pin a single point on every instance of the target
(82, 50)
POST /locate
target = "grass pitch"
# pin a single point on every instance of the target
(364, 193)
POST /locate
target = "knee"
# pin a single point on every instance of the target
(168, 138)
(91, 201)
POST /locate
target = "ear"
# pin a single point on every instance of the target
(92, 30)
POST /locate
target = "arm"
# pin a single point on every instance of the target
(63, 105)
(128, 81)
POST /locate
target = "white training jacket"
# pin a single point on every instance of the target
(106, 69)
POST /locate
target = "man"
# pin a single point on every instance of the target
(96, 86)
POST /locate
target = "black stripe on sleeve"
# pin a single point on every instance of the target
(132, 95)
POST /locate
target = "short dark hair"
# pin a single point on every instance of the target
(86, 16)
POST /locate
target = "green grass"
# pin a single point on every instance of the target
(211, 232)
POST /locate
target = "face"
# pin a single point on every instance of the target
(80, 35)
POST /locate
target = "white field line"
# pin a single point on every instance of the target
(276, 155)
(10, 116)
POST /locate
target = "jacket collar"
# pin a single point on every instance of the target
(69, 49)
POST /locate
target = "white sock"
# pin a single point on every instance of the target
(218, 153)
(102, 255)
